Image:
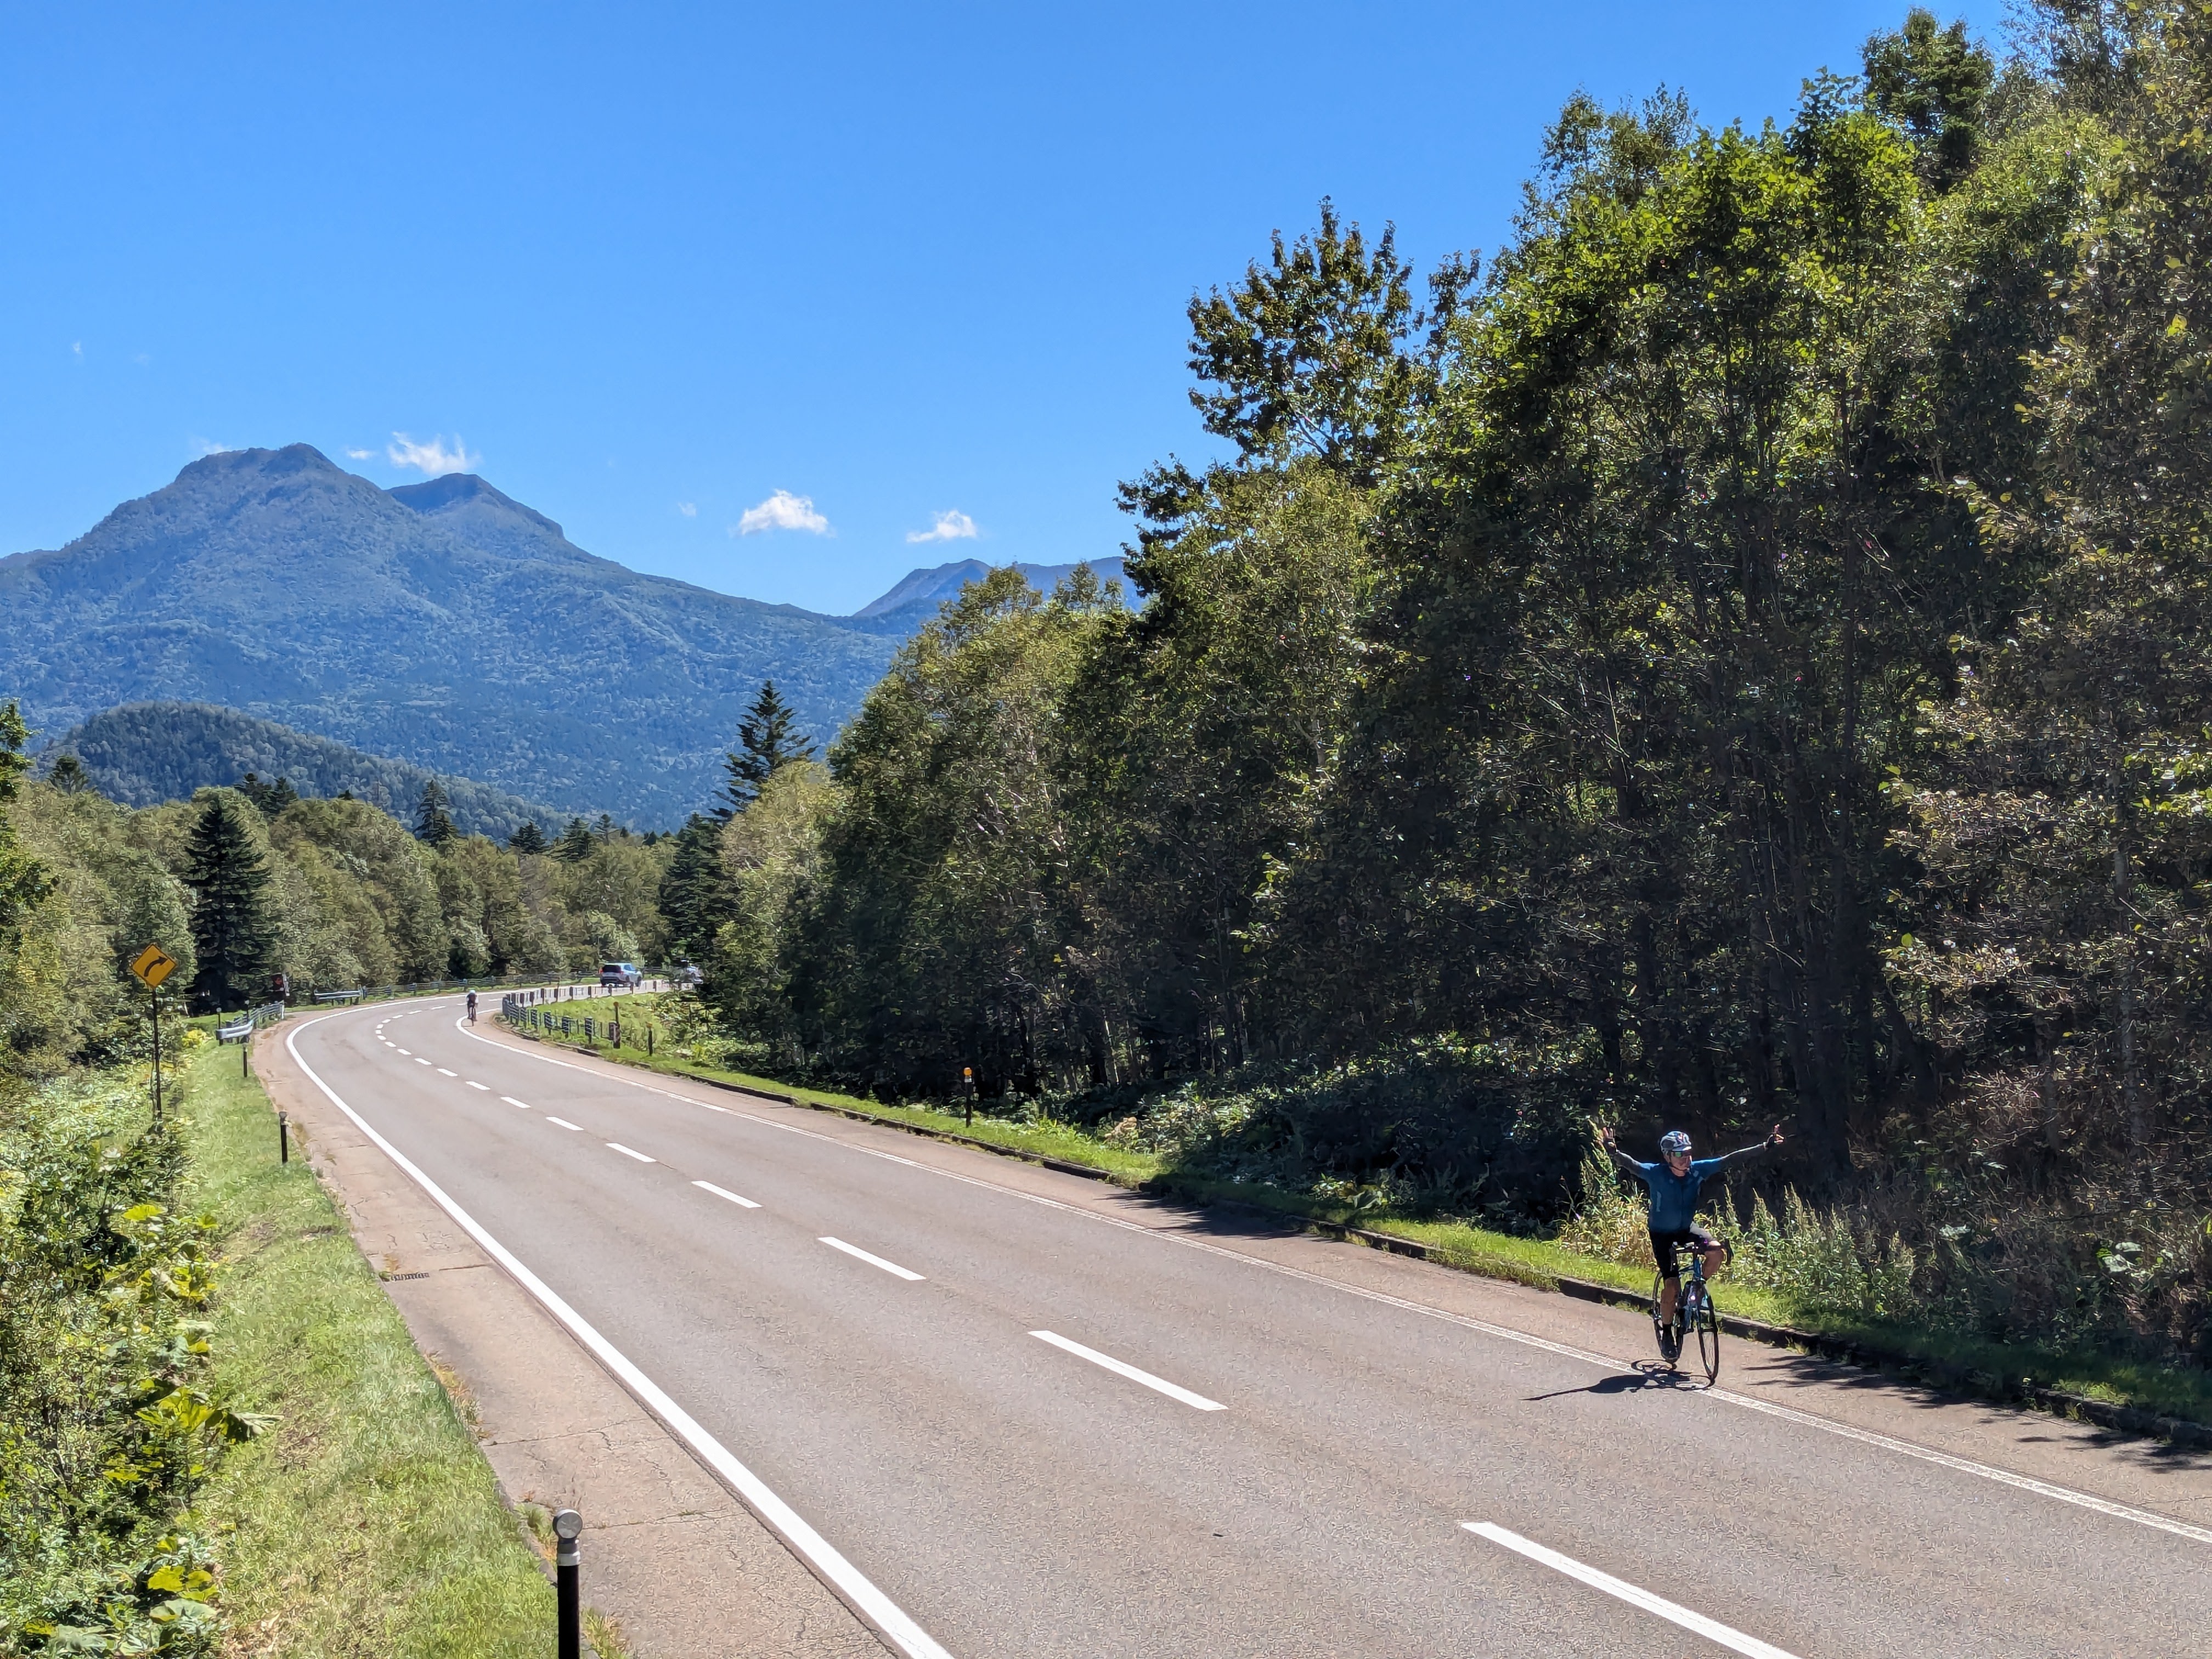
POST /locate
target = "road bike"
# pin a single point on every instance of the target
(1694, 1312)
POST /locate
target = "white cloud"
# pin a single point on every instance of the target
(77, 350)
(782, 511)
(203, 447)
(689, 509)
(953, 526)
(361, 455)
(432, 458)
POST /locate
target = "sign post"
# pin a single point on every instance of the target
(152, 965)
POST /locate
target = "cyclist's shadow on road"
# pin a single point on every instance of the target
(1645, 1374)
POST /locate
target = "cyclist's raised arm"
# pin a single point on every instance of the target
(1632, 1165)
(1773, 1140)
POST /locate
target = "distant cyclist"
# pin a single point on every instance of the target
(1671, 1187)
(473, 1007)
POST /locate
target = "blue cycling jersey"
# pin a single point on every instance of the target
(1673, 1198)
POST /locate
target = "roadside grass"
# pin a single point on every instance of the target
(1958, 1358)
(366, 1523)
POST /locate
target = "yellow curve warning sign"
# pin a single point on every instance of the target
(153, 966)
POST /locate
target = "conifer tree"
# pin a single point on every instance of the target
(528, 838)
(694, 895)
(575, 843)
(69, 776)
(231, 930)
(766, 739)
(431, 823)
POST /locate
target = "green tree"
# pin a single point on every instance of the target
(232, 929)
(1933, 82)
(575, 842)
(68, 774)
(527, 837)
(767, 738)
(693, 898)
(23, 880)
(433, 825)
(1309, 354)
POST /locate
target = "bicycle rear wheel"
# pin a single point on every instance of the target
(1708, 1323)
(1658, 1330)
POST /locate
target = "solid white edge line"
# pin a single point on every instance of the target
(724, 1192)
(1711, 1629)
(1966, 1466)
(628, 1152)
(564, 1123)
(819, 1553)
(1195, 1402)
(2103, 1506)
(907, 1273)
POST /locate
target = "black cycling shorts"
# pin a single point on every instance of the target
(1662, 1243)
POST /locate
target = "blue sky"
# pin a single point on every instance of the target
(648, 267)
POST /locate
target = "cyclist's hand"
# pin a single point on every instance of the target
(1775, 1138)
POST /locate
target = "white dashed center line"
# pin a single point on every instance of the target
(616, 1146)
(404, 1051)
(419, 1060)
(473, 1083)
(1195, 1402)
(442, 1071)
(855, 1251)
(724, 1192)
(1711, 1629)
(563, 1123)
(512, 1101)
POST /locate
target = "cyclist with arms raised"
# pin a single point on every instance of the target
(1671, 1187)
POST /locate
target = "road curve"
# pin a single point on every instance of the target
(1033, 1427)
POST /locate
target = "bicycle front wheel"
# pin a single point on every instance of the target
(1709, 1338)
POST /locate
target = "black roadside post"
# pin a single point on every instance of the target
(968, 1088)
(245, 1047)
(283, 1138)
(568, 1526)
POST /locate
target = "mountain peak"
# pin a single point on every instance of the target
(452, 491)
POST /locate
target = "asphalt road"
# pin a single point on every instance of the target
(1034, 1429)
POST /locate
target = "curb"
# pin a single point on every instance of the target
(1934, 1373)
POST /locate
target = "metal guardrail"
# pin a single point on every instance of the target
(341, 996)
(247, 1022)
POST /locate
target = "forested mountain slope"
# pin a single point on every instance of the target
(145, 753)
(443, 623)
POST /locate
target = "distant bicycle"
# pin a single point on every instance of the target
(1694, 1312)
(473, 1007)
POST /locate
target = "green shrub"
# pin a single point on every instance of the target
(106, 1432)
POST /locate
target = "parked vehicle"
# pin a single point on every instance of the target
(623, 974)
(684, 977)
